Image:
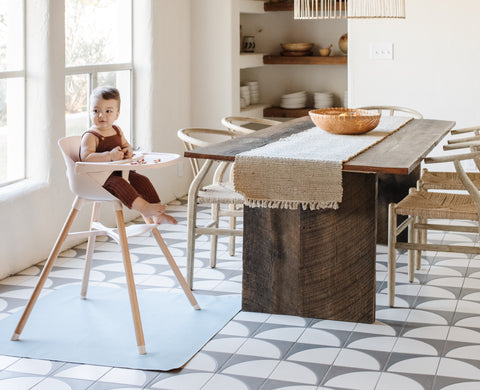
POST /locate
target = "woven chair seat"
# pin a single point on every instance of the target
(446, 180)
(438, 206)
(220, 193)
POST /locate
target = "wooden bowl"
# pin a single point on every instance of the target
(296, 46)
(345, 120)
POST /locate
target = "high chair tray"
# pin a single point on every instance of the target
(143, 160)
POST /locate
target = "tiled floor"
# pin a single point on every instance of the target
(430, 341)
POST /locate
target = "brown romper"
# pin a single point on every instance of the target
(126, 191)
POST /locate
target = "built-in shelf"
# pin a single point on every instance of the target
(251, 60)
(305, 60)
(254, 110)
(283, 6)
(279, 6)
(278, 112)
(252, 7)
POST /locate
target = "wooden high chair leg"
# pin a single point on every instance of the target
(77, 205)
(127, 264)
(90, 249)
(173, 265)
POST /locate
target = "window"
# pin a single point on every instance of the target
(12, 91)
(98, 51)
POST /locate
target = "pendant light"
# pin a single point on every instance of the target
(343, 9)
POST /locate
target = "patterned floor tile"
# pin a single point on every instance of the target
(429, 340)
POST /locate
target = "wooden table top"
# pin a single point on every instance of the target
(399, 153)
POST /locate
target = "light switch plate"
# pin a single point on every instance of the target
(381, 51)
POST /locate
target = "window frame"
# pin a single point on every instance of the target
(10, 74)
(92, 72)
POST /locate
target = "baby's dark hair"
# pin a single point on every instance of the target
(106, 93)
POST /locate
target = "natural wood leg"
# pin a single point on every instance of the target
(423, 240)
(412, 235)
(392, 240)
(127, 263)
(173, 265)
(192, 218)
(90, 249)
(214, 237)
(77, 205)
(233, 223)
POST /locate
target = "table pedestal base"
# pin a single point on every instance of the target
(317, 264)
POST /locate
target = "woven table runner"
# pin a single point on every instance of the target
(304, 169)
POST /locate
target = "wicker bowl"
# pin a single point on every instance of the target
(345, 120)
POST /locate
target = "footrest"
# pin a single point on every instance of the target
(132, 230)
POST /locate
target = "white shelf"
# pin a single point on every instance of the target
(252, 6)
(254, 110)
(251, 60)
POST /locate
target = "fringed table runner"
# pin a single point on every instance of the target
(305, 168)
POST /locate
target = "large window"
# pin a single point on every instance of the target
(12, 91)
(98, 51)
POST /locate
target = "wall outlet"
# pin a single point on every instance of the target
(381, 51)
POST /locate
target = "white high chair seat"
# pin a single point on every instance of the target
(85, 181)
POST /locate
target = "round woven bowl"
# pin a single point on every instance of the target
(345, 120)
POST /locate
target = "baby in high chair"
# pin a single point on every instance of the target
(104, 141)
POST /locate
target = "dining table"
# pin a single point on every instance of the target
(321, 263)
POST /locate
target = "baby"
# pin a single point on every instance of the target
(105, 141)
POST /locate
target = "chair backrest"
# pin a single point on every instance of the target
(82, 185)
(199, 137)
(246, 125)
(392, 110)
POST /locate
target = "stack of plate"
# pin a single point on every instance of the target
(245, 94)
(294, 100)
(254, 92)
(323, 99)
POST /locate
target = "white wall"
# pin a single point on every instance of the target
(436, 61)
(211, 61)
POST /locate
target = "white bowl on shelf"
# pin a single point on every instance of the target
(295, 94)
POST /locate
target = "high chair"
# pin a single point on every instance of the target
(85, 180)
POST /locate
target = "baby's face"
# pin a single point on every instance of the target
(104, 113)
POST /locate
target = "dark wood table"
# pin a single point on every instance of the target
(321, 263)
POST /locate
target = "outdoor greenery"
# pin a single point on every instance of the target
(86, 43)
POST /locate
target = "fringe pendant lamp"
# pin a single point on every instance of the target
(343, 9)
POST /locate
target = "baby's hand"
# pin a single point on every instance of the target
(128, 152)
(116, 154)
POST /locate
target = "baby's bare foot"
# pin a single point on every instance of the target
(164, 218)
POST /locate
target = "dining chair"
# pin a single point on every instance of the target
(421, 206)
(449, 180)
(393, 110)
(388, 183)
(246, 125)
(86, 186)
(217, 194)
